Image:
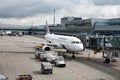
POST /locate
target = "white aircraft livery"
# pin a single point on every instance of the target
(69, 43)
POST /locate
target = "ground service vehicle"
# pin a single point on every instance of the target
(24, 77)
(46, 67)
(50, 58)
(43, 57)
(38, 47)
(47, 56)
(2, 77)
(60, 62)
(37, 54)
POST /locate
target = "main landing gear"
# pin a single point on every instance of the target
(73, 56)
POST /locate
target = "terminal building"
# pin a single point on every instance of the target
(74, 26)
(92, 26)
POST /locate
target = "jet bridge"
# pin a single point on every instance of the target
(109, 45)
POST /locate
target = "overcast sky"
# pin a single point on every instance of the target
(38, 11)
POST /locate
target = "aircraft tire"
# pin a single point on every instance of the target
(73, 56)
(107, 60)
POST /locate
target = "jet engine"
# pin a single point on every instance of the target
(46, 48)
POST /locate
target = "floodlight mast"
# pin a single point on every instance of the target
(54, 17)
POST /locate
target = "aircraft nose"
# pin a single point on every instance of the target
(81, 46)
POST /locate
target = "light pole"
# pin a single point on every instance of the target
(54, 18)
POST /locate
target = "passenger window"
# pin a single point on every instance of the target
(75, 42)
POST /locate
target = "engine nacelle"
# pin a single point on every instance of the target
(46, 48)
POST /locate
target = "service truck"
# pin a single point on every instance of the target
(38, 54)
(43, 57)
(46, 67)
(50, 58)
(60, 62)
(3, 77)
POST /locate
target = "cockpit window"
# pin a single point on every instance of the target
(75, 42)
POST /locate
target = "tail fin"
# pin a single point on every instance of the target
(47, 28)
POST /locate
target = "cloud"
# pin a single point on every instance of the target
(94, 11)
(37, 11)
(106, 2)
(25, 8)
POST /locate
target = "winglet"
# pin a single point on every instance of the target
(47, 28)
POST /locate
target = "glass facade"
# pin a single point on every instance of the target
(109, 22)
(79, 23)
(107, 27)
(108, 42)
(105, 32)
(114, 22)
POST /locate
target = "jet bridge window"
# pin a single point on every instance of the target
(75, 42)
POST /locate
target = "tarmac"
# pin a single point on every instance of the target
(17, 57)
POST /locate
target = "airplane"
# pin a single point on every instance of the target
(70, 43)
